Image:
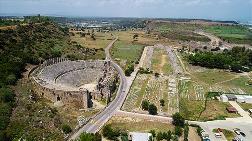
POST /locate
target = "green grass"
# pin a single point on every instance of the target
(240, 82)
(213, 76)
(232, 34)
(130, 53)
(215, 110)
(246, 106)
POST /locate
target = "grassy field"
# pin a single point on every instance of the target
(142, 39)
(232, 34)
(101, 40)
(194, 110)
(136, 93)
(160, 62)
(240, 82)
(184, 32)
(211, 76)
(246, 106)
(137, 125)
(126, 53)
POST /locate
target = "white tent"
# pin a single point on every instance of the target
(240, 98)
(223, 98)
(248, 99)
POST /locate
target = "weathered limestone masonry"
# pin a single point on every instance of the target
(74, 83)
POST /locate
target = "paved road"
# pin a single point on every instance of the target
(100, 119)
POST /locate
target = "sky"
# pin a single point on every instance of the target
(239, 10)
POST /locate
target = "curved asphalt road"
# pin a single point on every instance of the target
(100, 119)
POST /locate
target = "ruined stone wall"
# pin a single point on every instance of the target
(80, 99)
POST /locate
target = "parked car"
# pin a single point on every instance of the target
(243, 134)
(237, 131)
(217, 135)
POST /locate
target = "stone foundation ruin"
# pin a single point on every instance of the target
(74, 82)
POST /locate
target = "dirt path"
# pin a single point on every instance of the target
(161, 65)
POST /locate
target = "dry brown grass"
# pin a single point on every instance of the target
(134, 124)
(102, 40)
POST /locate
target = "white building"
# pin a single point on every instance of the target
(136, 136)
(223, 98)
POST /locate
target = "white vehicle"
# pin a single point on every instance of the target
(217, 135)
(237, 132)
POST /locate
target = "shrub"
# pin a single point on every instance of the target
(66, 129)
(90, 137)
(145, 104)
(162, 102)
(178, 120)
(178, 131)
(152, 109)
(110, 133)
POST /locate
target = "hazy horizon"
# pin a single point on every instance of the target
(235, 10)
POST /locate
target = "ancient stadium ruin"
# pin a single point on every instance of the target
(75, 82)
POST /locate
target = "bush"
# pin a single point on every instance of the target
(186, 132)
(152, 109)
(145, 104)
(178, 120)
(162, 102)
(129, 70)
(66, 129)
(90, 137)
(109, 133)
(178, 131)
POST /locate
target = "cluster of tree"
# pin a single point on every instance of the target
(7, 99)
(161, 135)
(237, 59)
(146, 105)
(90, 137)
(112, 134)
(4, 22)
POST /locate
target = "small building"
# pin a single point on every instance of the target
(136, 136)
(248, 99)
(240, 98)
(223, 98)
(231, 97)
(231, 110)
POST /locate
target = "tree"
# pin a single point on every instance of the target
(66, 129)
(167, 136)
(178, 120)
(156, 74)
(159, 136)
(178, 131)
(162, 102)
(129, 70)
(90, 137)
(186, 132)
(109, 133)
(152, 109)
(135, 36)
(153, 133)
(145, 104)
